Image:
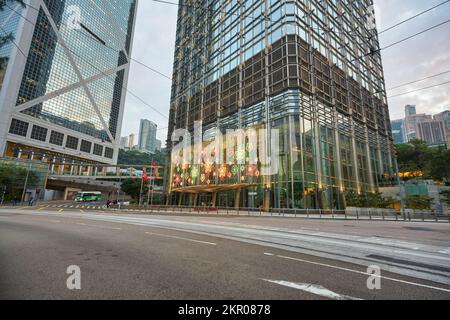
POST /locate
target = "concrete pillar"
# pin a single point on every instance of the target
(266, 200)
(180, 200)
(237, 199)
(214, 199)
(195, 200)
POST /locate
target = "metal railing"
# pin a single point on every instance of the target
(366, 214)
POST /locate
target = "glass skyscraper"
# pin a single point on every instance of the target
(63, 91)
(147, 136)
(309, 69)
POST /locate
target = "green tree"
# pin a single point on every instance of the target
(412, 157)
(132, 187)
(12, 180)
(418, 202)
(139, 158)
(438, 165)
(368, 200)
(446, 197)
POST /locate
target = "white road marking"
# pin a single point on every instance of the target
(95, 226)
(364, 273)
(269, 254)
(181, 238)
(314, 289)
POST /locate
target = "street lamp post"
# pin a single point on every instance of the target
(26, 181)
(402, 191)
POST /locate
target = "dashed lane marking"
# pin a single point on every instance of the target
(181, 238)
(314, 289)
(363, 273)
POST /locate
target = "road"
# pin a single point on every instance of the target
(179, 257)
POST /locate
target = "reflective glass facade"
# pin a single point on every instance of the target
(9, 22)
(75, 74)
(310, 69)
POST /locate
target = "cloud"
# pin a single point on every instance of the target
(419, 57)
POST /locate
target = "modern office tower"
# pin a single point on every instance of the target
(445, 117)
(410, 110)
(147, 136)
(65, 77)
(398, 131)
(158, 145)
(124, 143)
(412, 125)
(432, 132)
(131, 138)
(311, 70)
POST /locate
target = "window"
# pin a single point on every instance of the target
(39, 133)
(72, 143)
(56, 138)
(98, 150)
(18, 127)
(109, 153)
(86, 146)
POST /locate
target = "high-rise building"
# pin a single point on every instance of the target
(158, 145)
(124, 143)
(412, 125)
(306, 73)
(131, 139)
(432, 132)
(410, 110)
(398, 131)
(444, 117)
(147, 136)
(64, 78)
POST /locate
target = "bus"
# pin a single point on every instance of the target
(88, 196)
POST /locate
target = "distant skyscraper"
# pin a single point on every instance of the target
(410, 110)
(432, 132)
(147, 136)
(158, 145)
(124, 143)
(411, 125)
(131, 139)
(62, 93)
(398, 131)
(445, 117)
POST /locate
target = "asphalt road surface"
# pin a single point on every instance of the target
(169, 257)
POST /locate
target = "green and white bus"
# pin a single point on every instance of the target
(88, 196)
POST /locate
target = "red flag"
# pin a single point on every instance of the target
(145, 177)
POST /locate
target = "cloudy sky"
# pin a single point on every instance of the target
(420, 57)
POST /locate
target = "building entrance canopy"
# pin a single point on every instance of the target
(214, 188)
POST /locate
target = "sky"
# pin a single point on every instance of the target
(417, 58)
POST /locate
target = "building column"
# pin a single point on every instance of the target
(180, 200)
(266, 204)
(195, 200)
(214, 199)
(237, 199)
